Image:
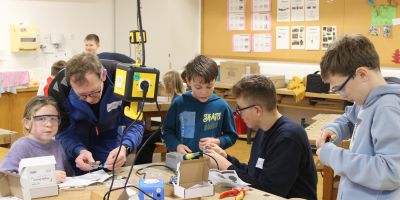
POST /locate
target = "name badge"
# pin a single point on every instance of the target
(113, 105)
(260, 163)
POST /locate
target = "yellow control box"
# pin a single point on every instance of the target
(132, 82)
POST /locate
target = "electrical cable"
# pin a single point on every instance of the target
(145, 88)
(212, 158)
(130, 50)
(139, 15)
(138, 172)
(116, 157)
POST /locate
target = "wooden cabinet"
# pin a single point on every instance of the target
(12, 109)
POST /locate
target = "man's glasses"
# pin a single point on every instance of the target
(43, 119)
(339, 89)
(94, 94)
(239, 109)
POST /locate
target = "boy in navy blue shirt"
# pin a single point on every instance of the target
(198, 116)
(281, 161)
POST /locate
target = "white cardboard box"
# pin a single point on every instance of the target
(10, 185)
(193, 173)
(38, 177)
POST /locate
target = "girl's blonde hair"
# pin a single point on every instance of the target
(34, 105)
(173, 83)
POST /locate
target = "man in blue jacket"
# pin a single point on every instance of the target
(92, 115)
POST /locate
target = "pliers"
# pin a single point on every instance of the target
(235, 192)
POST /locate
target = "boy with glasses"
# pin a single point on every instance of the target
(198, 116)
(281, 161)
(370, 168)
(91, 114)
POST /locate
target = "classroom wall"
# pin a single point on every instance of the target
(74, 19)
(172, 26)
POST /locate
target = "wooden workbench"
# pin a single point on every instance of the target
(7, 138)
(96, 192)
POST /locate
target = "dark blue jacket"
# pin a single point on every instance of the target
(81, 129)
(188, 120)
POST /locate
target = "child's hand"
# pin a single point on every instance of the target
(217, 149)
(183, 149)
(82, 161)
(324, 135)
(60, 176)
(204, 141)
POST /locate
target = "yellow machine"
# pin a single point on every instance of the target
(136, 84)
(135, 39)
(23, 38)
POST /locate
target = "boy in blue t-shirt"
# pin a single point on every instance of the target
(199, 117)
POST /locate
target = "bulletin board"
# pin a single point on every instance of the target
(349, 16)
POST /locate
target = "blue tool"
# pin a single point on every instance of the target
(152, 187)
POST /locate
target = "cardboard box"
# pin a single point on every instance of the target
(233, 71)
(38, 177)
(277, 80)
(10, 185)
(193, 173)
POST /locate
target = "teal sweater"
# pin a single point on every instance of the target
(188, 120)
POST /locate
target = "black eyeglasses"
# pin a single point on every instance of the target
(341, 87)
(238, 109)
(95, 94)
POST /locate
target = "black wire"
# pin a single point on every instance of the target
(119, 150)
(109, 192)
(137, 154)
(140, 174)
(140, 106)
(139, 14)
(130, 50)
(212, 158)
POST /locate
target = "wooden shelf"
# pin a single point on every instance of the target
(311, 108)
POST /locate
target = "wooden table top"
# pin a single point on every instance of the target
(320, 120)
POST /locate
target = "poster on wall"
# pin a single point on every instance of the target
(283, 11)
(313, 34)
(298, 37)
(262, 42)
(282, 37)
(241, 43)
(312, 10)
(238, 6)
(261, 21)
(297, 10)
(236, 21)
(261, 6)
(328, 36)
